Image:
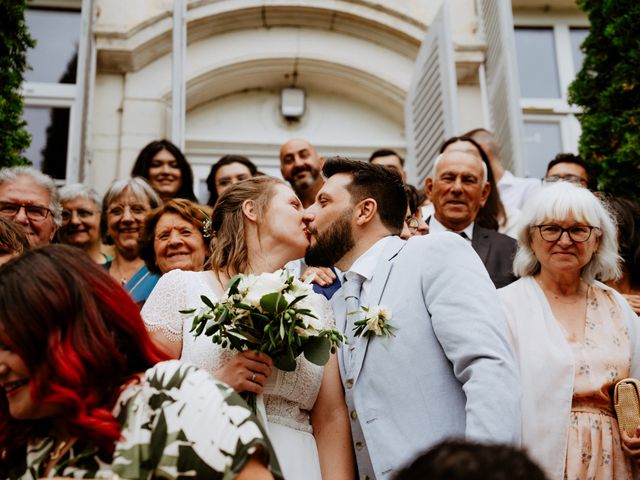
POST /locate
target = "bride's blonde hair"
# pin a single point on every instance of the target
(229, 245)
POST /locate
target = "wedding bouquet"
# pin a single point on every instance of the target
(273, 313)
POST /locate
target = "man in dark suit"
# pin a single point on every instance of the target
(458, 188)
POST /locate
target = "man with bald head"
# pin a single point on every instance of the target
(458, 189)
(301, 166)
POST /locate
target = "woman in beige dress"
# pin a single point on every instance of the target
(574, 336)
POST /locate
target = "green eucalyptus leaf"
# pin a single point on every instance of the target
(317, 349)
(207, 301)
(285, 362)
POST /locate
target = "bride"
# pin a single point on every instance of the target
(258, 227)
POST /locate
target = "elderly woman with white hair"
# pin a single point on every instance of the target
(574, 336)
(81, 212)
(124, 208)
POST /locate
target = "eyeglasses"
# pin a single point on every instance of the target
(81, 212)
(137, 210)
(578, 234)
(34, 213)
(413, 223)
(575, 179)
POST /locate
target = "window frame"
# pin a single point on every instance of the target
(549, 109)
(560, 26)
(66, 95)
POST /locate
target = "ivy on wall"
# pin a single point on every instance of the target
(14, 41)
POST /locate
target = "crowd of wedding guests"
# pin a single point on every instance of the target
(513, 305)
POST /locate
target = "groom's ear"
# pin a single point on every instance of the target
(365, 211)
(249, 209)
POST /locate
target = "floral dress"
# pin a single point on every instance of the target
(177, 422)
(594, 448)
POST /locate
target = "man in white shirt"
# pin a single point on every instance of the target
(514, 191)
(447, 370)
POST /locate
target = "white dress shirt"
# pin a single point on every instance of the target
(436, 226)
(365, 265)
(515, 191)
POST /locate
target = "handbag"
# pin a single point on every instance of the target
(626, 402)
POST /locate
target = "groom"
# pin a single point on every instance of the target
(447, 370)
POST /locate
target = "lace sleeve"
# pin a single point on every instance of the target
(161, 311)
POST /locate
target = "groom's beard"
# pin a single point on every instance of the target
(332, 244)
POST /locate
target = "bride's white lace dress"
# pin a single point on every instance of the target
(289, 396)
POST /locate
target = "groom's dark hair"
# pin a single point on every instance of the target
(368, 180)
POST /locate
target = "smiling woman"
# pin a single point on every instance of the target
(175, 236)
(79, 387)
(574, 336)
(124, 208)
(81, 207)
(166, 169)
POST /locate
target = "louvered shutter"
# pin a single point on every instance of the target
(503, 90)
(431, 105)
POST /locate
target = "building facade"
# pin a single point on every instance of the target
(111, 75)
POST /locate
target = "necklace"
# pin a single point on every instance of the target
(117, 270)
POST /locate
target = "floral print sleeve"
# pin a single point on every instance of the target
(177, 422)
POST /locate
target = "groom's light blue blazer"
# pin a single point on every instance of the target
(449, 371)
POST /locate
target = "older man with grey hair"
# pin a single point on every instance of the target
(458, 189)
(30, 198)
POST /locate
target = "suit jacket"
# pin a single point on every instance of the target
(496, 251)
(449, 371)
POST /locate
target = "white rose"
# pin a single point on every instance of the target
(373, 325)
(299, 288)
(246, 282)
(264, 284)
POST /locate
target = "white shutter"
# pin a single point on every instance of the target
(503, 90)
(430, 108)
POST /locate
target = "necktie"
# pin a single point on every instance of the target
(352, 287)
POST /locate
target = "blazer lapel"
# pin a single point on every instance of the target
(480, 242)
(379, 281)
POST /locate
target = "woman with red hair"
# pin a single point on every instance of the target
(84, 393)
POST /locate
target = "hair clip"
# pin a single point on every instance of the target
(206, 225)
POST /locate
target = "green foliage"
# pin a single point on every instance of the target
(608, 90)
(14, 41)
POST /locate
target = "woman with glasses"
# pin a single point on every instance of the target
(80, 227)
(414, 224)
(124, 209)
(574, 336)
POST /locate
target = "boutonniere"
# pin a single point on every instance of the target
(375, 323)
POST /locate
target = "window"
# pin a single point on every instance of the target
(548, 59)
(52, 96)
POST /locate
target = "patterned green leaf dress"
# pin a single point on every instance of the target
(177, 422)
